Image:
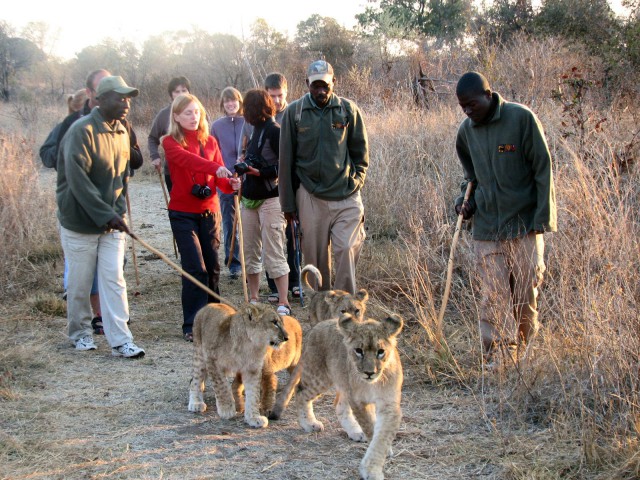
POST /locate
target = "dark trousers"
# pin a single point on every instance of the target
(228, 208)
(198, 240)
(291, 261)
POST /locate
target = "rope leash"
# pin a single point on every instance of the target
(181, 271)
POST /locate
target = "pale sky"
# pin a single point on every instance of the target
(82, 23)
(78, 24)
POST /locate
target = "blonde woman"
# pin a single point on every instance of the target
(193, 157)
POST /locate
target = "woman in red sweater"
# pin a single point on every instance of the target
(194, 158)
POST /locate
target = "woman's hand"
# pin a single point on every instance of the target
(253, 171)
(223, 172)
(235, 183)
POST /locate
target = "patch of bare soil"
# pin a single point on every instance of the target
(73, 415)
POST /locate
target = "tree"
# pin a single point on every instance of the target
(591, 22)
(506, 18)
(264, 44)
(324, 37)
(447, 21)
(16, 54)
(119, 57)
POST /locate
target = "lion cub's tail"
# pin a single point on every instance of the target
(284, 397)
(316, 273)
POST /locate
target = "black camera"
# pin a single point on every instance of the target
(201, 191)
(250, 160)
(241, 168)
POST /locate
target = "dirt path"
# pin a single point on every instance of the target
(88, 415)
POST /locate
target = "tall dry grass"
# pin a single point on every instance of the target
(582, 380)
(27, 215)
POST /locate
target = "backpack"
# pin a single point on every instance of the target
(49, 150)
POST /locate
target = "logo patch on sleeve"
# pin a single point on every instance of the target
(506, 147)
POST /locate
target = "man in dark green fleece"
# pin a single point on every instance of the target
(324, 156)
(93, 171)
(503, 152)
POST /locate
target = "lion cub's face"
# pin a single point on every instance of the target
(370, 343)
(265, 325)
(340, 302)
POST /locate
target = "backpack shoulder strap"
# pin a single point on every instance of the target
(299, 106)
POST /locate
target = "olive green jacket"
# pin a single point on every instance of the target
(93, 172)
(326, 150)
(509, 159)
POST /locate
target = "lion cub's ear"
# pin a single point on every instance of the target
(346, 322)
(393, 324)
(362, 295)
(249, 310)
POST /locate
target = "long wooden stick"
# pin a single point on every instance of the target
(233, 237)
(181, 271)
(166, 201)
(133, 244)
(236, 200)
(447, 288)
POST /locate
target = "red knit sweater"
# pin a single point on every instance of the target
(188, 168)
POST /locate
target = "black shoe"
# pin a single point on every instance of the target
(188, 337)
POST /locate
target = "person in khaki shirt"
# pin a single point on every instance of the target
(504, 154)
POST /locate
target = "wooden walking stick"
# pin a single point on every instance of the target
(233, 238)
(181, 271)
(447, 288)
(236, 201)
(166, 201)
(133, 245)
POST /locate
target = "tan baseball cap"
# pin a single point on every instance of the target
(320, 70)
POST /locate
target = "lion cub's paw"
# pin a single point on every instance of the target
(311, 426)
(257, 422)
(371, 474)
(357, 436)
(195, 406)
(226, 412)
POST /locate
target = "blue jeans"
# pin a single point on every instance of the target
(227, 206)
(198, 239)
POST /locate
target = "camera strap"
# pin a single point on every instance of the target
(206, 176)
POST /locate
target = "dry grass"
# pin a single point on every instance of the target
(571, 412)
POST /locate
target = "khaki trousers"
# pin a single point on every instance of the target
(328, 225)
(510, 273)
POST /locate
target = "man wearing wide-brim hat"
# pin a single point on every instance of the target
(93, 172)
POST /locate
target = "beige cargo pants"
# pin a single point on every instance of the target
(510, 273)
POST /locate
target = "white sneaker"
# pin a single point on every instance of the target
(128, 350)
(85, 343)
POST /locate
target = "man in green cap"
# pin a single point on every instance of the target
(93, 172)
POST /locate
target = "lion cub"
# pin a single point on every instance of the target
(285, 357)
(332, 303)
(360, 360)
(226, 343)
